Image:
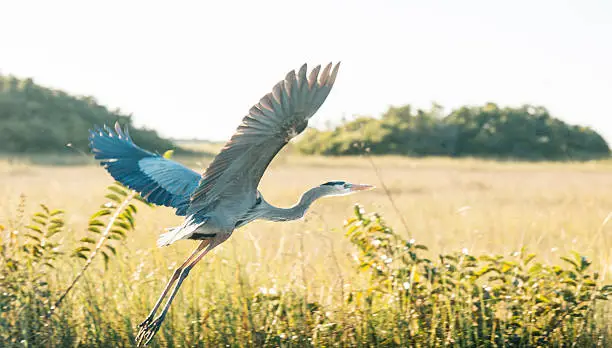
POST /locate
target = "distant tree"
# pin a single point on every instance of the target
(527, 132)
(39, 119)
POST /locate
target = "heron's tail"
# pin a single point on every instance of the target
(183, 231)
(167, 238)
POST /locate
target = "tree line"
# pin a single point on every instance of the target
(36, 119)
(526, 132)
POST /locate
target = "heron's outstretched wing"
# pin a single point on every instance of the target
(158, 180)
(270, 124)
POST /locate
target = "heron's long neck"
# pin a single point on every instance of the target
(273, 213)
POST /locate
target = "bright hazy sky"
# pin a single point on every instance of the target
(193, 69)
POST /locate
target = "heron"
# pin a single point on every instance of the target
(226, 196)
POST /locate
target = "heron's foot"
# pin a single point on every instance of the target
(147, 329)
(141, 327)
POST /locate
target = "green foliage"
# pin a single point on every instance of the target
(528, 132)
(119, 214)
(29, 254)
(507, 301)
(35, 119)
(404, 298)
(28, 258)
(38, 241)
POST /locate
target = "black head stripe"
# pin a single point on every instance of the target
(333, 183)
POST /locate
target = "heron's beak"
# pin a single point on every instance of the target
(357, 187)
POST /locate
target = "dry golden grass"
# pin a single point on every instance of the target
(484, 206)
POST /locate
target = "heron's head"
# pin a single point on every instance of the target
(341, 188)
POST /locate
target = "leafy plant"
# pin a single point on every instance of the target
(120, 213)
(28, 254)
(509, 301)
(399, 296)
(102, 234)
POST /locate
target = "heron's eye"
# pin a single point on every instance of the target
(346, 185)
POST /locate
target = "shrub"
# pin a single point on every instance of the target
(527, 132)
(467, 300)
(405, 299)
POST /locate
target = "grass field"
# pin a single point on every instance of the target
(474, 206)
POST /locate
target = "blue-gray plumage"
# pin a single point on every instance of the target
(158, 180)
(225, 197)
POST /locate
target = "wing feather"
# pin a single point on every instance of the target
(158, 180)
(278, 117)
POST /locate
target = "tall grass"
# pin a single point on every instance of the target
(400, 298)
(325, 281)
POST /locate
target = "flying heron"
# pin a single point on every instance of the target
(225, 196)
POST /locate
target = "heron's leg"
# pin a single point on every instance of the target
(174, 277)
(146, 333)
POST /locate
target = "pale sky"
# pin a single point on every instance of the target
(193, 69)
